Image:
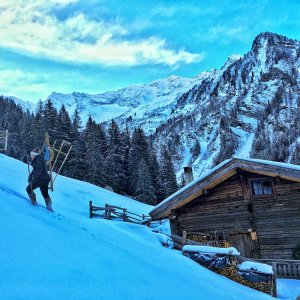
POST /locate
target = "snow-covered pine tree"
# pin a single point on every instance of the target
(127, 145)
(15, 128)
(114, 161)
(27, 132)
(51, 119)
(38, 128)
(167, 177)
(75, 163)
(145, 191)
(64, 125)
(141, 150)
(93, 158)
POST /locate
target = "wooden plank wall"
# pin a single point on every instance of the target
(226, 209)
(278, 220)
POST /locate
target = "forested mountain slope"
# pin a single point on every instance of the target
(248, 108)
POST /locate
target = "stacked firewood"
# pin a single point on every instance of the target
(198, 238)
(205, 239)
(231, 273)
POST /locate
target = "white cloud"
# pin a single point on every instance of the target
(28, 27)
(10, 81)
(29, 86)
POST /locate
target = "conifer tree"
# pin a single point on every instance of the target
(93, 157)
(50, 119)
(38, 126)
(75, 164)
(144, 188)
(114, 161)
(168, 181)
(64, 126)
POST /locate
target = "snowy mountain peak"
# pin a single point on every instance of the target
(270, 40)
(135, 100)
(231, 59)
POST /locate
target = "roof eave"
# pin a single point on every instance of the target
(218, 176)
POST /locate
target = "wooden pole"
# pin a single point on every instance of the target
(47, 143)
(91, 209)
(62, 163)
(274, 290)
(148, 223)
(124, 214)
(184, 235)
(105, 211)
(60, 148)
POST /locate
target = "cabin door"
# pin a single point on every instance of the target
(244, 244)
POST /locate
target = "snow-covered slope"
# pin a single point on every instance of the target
(24, 104)
(66, 255)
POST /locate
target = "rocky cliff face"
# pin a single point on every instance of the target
(249, 108)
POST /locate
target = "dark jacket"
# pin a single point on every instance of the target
(39, 173)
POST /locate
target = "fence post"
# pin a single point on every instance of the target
(274, 267)
(91, 209)
(184, 235)
(148, 222)
(108, 209)
(124, 214)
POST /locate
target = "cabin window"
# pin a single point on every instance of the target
(262, 187)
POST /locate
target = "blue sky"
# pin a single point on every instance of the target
(99, 45)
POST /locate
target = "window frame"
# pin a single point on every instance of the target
(263, 196)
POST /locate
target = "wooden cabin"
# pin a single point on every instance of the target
(252, 204)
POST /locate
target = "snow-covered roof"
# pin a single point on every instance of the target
(220, 173)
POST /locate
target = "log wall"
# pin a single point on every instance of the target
(229, 210)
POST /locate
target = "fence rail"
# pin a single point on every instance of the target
(284, 268)
(110, 212)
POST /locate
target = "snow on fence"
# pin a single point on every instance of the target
(111, 212)
(284, 268)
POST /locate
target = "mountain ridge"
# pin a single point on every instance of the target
(216, 114)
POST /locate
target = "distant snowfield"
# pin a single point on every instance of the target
(66, 255)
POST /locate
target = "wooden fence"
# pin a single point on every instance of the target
(284, 268)
(110, 212)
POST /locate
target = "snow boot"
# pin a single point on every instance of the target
(48, 204)
(33, 198)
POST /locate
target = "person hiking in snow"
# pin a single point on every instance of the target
(39, 177)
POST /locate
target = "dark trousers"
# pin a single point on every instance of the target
(43, 187)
